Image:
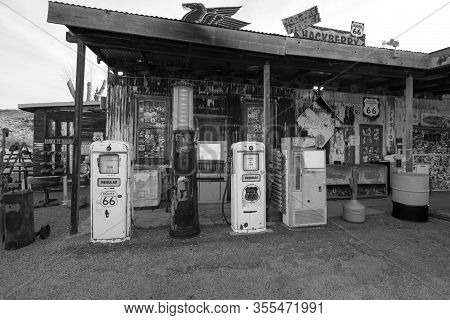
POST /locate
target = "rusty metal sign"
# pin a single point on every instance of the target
(357, 29)
(221, 16)
(331, 35)
(302, 20)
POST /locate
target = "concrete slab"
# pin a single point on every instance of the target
(235, 234)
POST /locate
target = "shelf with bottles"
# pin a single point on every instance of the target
(372, 181)
(339, 191)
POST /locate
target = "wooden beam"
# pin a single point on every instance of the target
(74, 208)
(318, 49)
(70, 37)
(409, 123)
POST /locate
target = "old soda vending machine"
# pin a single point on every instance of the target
(305, 183)
(111, 191)
(248, 187)
(184, 220)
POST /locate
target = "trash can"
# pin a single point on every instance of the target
(410, 196)
(18, 219)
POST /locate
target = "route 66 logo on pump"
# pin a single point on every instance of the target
(108, 199)
(357, 29)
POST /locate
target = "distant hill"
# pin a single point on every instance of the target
(20, 125)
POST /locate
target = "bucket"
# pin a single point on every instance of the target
(410, 196)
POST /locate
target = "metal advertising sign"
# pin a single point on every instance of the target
(331, 35)
(434, 120)
(220, 16)
(357, 29)
(371, 107)
(318, 121)
(301, 21)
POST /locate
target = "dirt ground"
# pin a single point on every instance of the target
(383, 258)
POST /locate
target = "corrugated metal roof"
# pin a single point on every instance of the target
(242, 30)
(168, 19)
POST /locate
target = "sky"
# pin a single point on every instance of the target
(36, 61)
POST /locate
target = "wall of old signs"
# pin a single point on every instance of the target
(369, 127)
(431, 137)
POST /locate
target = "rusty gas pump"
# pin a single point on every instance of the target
(184, 220)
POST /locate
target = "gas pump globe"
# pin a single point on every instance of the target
(184, 220)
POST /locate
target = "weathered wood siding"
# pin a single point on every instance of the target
(121, 120)
(38, 141)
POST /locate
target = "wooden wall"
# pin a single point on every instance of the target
(121, 121)
(38, 141)
(52, 122)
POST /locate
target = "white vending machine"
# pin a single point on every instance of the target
(305, 183)
(111, 191)
(248, 187)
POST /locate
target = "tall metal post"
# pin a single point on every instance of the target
(74, 208)
(409, 123)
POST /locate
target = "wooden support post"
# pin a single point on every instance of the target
(267, 128)
(267, 113)
(409, 123)
(74, 204)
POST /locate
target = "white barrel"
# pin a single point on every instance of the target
(410, 188)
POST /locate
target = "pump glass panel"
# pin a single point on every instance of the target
(251, 161)
(108, 164)
(313, 159)
(297, 172)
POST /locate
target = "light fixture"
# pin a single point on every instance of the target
(120, 73)
(317, 88)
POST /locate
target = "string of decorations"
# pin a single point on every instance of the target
(162, 87)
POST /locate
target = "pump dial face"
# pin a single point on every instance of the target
(108, 163)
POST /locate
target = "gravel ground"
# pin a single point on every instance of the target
(384, 258)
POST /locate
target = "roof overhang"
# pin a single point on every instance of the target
(172, 48)
(32, 107)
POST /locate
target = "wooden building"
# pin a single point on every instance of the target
(251, 85)
(53, 134)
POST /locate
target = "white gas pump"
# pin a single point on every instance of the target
(305, 183)
(111, 190)
(248, 187)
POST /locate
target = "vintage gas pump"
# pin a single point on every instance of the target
(111, 191)
(184, 220)
(248, 187)
(305, 183)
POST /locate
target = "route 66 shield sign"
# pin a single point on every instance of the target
(357, 29)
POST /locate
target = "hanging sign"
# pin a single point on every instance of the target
(371, 107)
(357, 29)
(434, 120)
(302, 20)
(331, 35)
(319, 121)
(58, 141)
